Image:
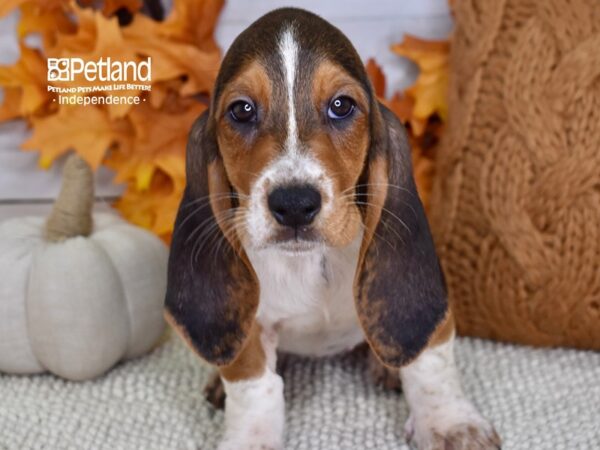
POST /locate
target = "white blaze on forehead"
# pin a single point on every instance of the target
(288, 49)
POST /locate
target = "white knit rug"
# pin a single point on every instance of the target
(538, 399)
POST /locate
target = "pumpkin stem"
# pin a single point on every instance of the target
(72, 212)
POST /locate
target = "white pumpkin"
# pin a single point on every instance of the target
(76, 298)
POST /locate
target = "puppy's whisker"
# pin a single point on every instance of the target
(228, 234)
(384, 209)
(206, 203)
(390, 228)
(356, 197)
(221, 195)
(336, 174)
(190, 215)
(393, 186)
(206, 236)
(214, 237)
(207, 231)
(379, 236)
(364, 228)
(247, 172)
(230, 228)
(219, 215)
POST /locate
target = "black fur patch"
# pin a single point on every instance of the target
(212, 296)
(401, 290)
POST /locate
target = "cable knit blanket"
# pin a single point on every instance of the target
(515, 205)
(537, 398)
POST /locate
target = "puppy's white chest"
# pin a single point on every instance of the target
(309, 299)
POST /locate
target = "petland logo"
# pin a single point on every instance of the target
(67, 69)
(101, 82)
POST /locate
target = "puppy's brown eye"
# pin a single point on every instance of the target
(243, 111)
(340, 108)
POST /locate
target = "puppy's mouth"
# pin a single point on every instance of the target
(297, 239)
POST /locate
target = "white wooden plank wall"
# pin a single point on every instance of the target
(371, 25)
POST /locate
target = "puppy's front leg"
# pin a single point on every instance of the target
(254, 405)
(441, 417)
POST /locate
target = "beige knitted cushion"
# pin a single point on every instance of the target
(516, 204)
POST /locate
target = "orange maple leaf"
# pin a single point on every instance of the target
(37, 19)
(154, 208)
(173, 59)
(423, 106)
(400, 104)
(86, 129)
(431, 87)
(7, 6)
(112, 6)
(29, 76)
(376, 76)
(10, 108)
(159, 142)
(193, 22)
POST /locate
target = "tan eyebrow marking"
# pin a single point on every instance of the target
(330, 79)
(253, 82)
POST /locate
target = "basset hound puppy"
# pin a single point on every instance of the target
(301, 230)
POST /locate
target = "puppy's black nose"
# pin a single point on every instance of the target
(294, 206)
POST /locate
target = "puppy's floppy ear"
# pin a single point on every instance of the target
(211, 297)
(399, 286)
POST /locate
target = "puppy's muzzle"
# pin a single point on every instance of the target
(294, 206)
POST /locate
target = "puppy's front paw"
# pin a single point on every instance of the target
(388, 379)
(254, 414)
(259, 440)
(457, 427)
(214, 392)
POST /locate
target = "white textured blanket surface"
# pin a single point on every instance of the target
(537, 398)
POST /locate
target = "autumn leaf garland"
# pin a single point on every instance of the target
(145, 143)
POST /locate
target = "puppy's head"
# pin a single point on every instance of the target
(296, 153)
(292, 117)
